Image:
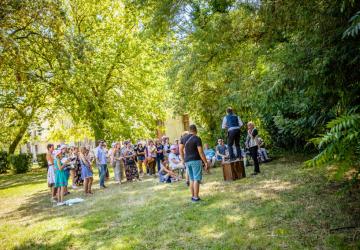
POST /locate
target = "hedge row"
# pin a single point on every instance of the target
(20, 163)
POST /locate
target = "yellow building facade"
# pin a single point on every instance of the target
(174, 126)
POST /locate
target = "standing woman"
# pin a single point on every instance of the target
(166, 146)
(117, 162)
(77, 168)
(252, 142)
(60, 178)
(51, 171)
(131, 171)
(140, 152)
(151, 157)
(159, 154)
(86, 169)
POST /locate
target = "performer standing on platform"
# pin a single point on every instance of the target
(232, 123)
(192, 154)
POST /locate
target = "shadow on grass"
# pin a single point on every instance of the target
(36, 176)
(284, 207)
(33, 244)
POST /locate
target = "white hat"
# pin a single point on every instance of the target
(172, 147)
(57, 152)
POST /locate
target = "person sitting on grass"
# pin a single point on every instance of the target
(210, 156)
(60, 178)
(262, 151)
(221, 151)
(86, 170)
(166, 175)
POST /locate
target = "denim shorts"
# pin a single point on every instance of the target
(194, 169)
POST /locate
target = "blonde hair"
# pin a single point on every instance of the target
(251, 123)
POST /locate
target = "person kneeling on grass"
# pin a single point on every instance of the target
(174, 160)
(192, 154)
(86, 170)
(60, 178)
(166, 175)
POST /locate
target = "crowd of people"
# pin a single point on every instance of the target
(184, 159)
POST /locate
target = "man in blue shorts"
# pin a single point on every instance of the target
(191, 152)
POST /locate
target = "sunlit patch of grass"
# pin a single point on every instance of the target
(286, 206)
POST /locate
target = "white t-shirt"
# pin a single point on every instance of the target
(171, 157)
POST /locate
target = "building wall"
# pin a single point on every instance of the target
(175, 125)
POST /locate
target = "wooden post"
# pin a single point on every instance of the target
(233, 170)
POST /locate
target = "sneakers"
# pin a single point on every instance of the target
(103, 186)
(74, 187)
(193, 199)
(60, 204)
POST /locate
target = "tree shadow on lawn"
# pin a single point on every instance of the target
(267, 212)
(36, 176)
(291, 216)
(64, 243)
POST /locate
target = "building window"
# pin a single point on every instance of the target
(186, 122)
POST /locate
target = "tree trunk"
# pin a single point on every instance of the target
(19, 136)
(98, 129)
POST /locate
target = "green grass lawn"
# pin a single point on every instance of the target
(285, 207)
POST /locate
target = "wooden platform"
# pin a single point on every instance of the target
(233, 170)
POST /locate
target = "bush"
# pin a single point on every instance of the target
(4, 162)
(21, 163)
(41, 159)
(340, 145)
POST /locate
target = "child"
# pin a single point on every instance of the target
(60, 178)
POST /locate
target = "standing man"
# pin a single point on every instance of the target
(252, 143)
(192, 154)
(101, 161)
(232, 123)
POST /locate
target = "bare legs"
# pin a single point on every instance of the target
(141, 167)
(194, 188)
(60, 194)
(87, 185)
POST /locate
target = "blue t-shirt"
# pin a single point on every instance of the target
(101, 155)
(209, 153)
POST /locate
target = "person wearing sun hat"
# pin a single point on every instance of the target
(60, 177)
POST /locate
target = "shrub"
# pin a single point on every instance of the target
(21, 163)
(4, 162)
(340, 145)
(41, 159)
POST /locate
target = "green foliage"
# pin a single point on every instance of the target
(4, 162)
(340, 145)
(41, 159)
(354, 28)
(20, 163)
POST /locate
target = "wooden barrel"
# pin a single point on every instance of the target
(233, 170)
